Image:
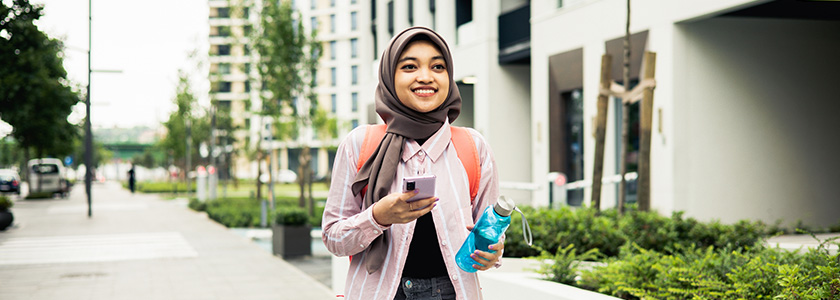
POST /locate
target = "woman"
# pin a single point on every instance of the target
(399, 249)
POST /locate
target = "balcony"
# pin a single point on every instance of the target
(515, 36)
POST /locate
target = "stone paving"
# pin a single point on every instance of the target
(136, 246)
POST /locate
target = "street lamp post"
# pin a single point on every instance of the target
(88, 133)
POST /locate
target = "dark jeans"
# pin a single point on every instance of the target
(438, 288)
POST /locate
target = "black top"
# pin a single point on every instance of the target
(424, 254)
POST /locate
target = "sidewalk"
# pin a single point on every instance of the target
(136, 247)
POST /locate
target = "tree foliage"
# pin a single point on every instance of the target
(288, 59)
(186, 114)
(35, 96)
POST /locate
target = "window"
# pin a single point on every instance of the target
(355, 102)
(314, 77)
(223, 12)
(221, 87)
(314, 23)
(353, 1)
(332, 50)
(355, 74)
(246, 12)
(332, 23)
(223, 50)
(410, 13)
(247, 86)
(224, 68)
(247, 68)
(332, 76)
(391, 18)
(220, 31)
(334, 102)
(354, 24)
(463, 12)
(354, 123)
(332, 3)
(246, 30)
(314, 4)
(354, 48)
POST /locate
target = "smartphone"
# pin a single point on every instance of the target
(424, 184)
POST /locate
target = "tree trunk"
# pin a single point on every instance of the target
(625, 116)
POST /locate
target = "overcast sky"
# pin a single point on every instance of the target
(148, 41)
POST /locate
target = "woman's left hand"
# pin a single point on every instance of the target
(486, 260)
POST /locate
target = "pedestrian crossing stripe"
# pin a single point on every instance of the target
(94, 248)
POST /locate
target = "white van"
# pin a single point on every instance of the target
(47, 175)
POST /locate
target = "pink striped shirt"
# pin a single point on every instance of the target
(348, 230)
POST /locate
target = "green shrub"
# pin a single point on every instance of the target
(753, 272)
(163, 187)
(563, 266)
(39, 195)
(5, 203)
(196, 205)
(290, 216)
(246, 212)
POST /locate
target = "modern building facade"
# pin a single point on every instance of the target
(743, 124)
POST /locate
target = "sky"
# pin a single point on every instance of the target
(146, 41)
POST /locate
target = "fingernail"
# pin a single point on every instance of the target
(490, 247)
(472, 255)
(437, 199)
(416, 191)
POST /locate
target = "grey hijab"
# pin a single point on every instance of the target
(403, 123)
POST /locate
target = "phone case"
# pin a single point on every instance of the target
(424, 184)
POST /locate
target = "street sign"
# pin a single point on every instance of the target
(68, 160)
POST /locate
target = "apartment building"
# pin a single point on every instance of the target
(337, 84)
(230, 73)
(743, 122)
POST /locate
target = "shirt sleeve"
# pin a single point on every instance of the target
(347, 229)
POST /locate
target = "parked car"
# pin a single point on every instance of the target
(9, 181)
(47, 175)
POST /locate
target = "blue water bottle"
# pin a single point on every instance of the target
(487, 231)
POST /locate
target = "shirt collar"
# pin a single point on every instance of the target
(433, 146)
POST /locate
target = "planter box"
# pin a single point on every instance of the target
(291, 241)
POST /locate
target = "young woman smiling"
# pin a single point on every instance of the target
(399, 249)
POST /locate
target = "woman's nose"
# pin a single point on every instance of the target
(424, 75)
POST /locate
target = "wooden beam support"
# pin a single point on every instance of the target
(649, 72)
(601, 131)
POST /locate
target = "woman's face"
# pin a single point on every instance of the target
(421, 78)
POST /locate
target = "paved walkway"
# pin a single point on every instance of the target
(136, 247)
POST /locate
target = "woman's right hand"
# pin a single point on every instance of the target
(393, 209)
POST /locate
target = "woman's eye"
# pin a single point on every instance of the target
(438, 67)
(408, 67)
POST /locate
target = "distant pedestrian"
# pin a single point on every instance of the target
(131, 179)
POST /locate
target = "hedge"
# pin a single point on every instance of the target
(643, 255)
(246, 211)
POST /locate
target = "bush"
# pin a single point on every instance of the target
(290, 216)
(607, 231)
(5, 203)
(163, 187)
(246, 212)
(696, 273)
(197, 205)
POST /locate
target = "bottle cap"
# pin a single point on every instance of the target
(504, 206)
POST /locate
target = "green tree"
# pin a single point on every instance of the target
(177, 127)
(288, 58)
(35, 96)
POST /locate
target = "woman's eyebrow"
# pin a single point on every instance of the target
(415, 59)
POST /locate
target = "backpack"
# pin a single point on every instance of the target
(461, 139)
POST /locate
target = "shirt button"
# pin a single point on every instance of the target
(454, 277)
(362, 245)
(443, 243)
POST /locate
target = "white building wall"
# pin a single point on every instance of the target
(756, 128)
